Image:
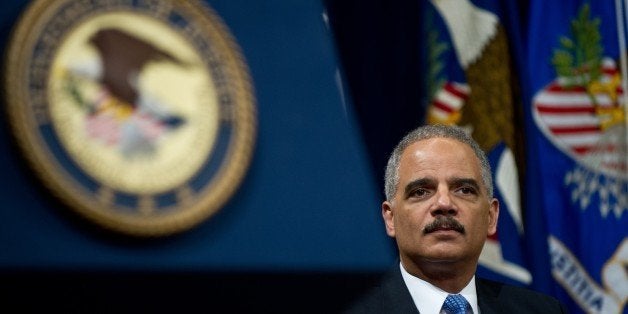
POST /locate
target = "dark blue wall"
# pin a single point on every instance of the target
(308, 203)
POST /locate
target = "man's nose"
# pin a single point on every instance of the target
(443, 204)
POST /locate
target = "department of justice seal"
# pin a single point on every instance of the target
(138, 114)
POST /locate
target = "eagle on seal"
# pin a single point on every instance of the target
(123, 114)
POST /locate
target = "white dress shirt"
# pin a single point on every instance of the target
(429, 299)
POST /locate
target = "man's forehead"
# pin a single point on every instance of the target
(439, 143)
(431, 154)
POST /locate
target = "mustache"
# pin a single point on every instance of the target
(446, 222)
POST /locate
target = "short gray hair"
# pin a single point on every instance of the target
(391, 178)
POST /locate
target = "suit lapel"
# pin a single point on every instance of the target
(488, 302)
(397, 298)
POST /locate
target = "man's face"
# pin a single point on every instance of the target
(440, 190)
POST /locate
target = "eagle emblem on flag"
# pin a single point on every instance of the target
(475, 92)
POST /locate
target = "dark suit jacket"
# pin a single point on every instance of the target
(392, 296)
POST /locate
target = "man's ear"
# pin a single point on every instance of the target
(493, 214)
(387, 214)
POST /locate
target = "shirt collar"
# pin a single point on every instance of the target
(429, 298)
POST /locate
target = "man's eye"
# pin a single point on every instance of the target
(419, 192)
(467, 190)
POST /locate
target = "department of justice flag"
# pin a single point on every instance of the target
(577, 179)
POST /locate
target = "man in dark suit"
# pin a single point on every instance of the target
(440, 208)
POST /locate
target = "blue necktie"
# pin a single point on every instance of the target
(456, 304)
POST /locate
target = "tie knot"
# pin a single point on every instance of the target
(456, 304)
